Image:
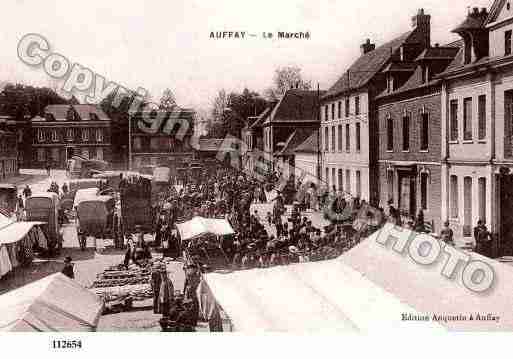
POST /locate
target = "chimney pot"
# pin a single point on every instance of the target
(367, 47)
(484, 11)
(421, 11)
(475, 11)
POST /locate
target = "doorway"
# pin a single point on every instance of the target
(407, 194)
(70, 152)
(504, 182)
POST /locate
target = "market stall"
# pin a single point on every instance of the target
(54, 303)
(199, 226)
(17, 243)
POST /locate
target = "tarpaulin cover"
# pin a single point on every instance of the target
(368, 288)
(199, 226)
(54, 303)
(16, 231)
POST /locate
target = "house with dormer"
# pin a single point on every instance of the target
(65, 131)
(477, 127)
(349, 124)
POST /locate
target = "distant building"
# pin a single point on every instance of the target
(162, 138)
(67, 130)
(307, 159)
(8, 153)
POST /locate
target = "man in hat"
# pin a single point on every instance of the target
(68, 269)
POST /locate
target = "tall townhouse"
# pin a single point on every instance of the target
(477, 127)
(349, 125)
(410, 133)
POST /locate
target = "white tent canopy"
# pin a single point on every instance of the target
(15, 231)
(54, 303)
(199, 226)
(366, 289)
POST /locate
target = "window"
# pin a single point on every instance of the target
(137, 143)
(390, 185)
(347, 107)
(332, 138)
(85, 134)
(40, 135)
(406, 133)
(482, 198)
(424, 131)
(40, 155)
(154, 143)
(507, 43)
(358, 184)
(348, 139)
(332, 111)
(454, 196)
(327, 178)
(390, 134)
(348, 181)
(99, 135)
(340, 180)
(99, 153)
(481, 111)
(423, 190)
(339, 109)
(333, 178)
(467, 206)
(69, 134)
(357, 105)
(326, 139)
(55, 137)
(154, 161)
(339, 136)
(358, 140)
(467, 118)
(326, 113)
(454, 120)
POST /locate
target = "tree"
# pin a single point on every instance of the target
(167, 101)
(285, 78)
(230, 112)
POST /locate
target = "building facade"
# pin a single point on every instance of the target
(166, 141)
(349, 131)
(477, 127)
(8, 154)
(68, 130)
(409, 158)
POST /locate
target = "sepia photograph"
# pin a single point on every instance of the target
(288, 167)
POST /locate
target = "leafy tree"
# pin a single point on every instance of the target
(167, 101)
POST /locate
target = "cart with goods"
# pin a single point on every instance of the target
(136, 205)
(95, 217)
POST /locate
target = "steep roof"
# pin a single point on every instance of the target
(295, 139)
(366, 67)
(439, 53)
(59, 112)
(310, 145)
(475, 21)
(296, 106)
(457, 63)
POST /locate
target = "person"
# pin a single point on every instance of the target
(483, 239)
(68, 269)
(19, 210)
(64, 188)
(447, 235)
(419, 222)
(156, 280)
(166, 293)
(48, 168)
(27, 192)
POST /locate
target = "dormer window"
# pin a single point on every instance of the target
(93, 116)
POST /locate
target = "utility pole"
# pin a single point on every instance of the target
(129, 142)
(318, 134)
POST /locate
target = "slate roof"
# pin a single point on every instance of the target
(367, 66)
(457, 63)
(84, 112)
(310, 145)
(296, 106)
(59, 112)
(474, 21)
(439, 53)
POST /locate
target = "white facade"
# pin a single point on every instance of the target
(345, 143)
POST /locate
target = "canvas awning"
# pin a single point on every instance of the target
(366, 289)
(199, 226)
(15, 231)
(54, 303)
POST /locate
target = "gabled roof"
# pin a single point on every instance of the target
(495, 10)
(297, 106)
(457, 63)
(60, 112)
(295, 139)
(366, 67)
(438, 53)
(310, 145)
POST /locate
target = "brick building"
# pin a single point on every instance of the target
(158, 142)
(408, 113)
(67, 130)
(348, 111)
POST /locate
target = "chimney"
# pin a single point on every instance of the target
(367, 47)
(421, 23)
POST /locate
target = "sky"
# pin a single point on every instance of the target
(167, 44)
